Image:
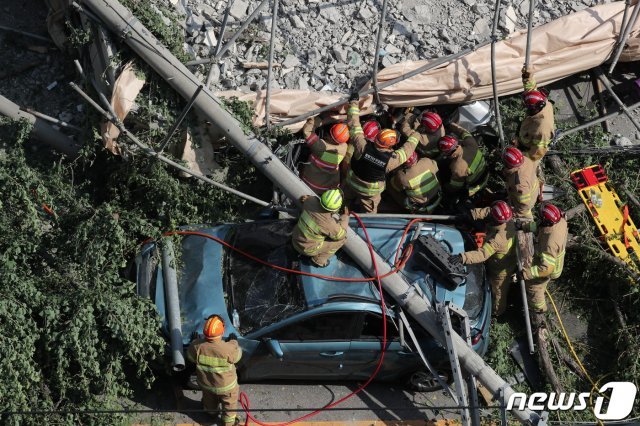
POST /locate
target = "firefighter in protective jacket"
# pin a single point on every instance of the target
(428, 132)
(322, 172)
(371, 162)
(523, 185)
(215, 362)
(498, 251)
(538, 127)
(469, 172)
(415, 185)
(549, 254)
(320, 232)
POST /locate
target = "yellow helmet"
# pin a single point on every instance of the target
(331, 200)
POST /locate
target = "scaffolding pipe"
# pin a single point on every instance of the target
(140, 40)
(376, 55)
(52, 119)
(494, 84)
(408, 216)
(624, 35)
(41, 129)
(172, 302)
(178, 122)
(233, 38)
(593, 122)
(147, 150)
(267, 104)
(532, 4)
(607, 83)
(419, 70)
(623, 25)
(223, 29)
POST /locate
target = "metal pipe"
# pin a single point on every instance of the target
(607, 83)
(223, 27)
(376, 54)
(532, 4)
(178, 122)
(26, 34)
(233, 38)
(267, 105)
(52, 119)
(147, 150)
(523, 293)
(593, 122)
(41, 129)
(625, 35)
(386, 84)
(494, 84)
(623, 25)
(139, 39)
(172, 304)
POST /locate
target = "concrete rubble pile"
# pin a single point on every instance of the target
(329, 45)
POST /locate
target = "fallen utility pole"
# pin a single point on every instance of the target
(139, 39)
(494, 84)
(41, 129)
(419, 70)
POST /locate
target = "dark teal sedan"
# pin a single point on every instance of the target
(299, 327)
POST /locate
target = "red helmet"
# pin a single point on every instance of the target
(501, 212)
(340, 133)
(371, 130)
(447, 144)
(512, 157)
(534, 100)
(431, 121)
(413, 159)
(549, 214)
(387, 138)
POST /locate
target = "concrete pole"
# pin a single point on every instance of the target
(41, 129)
(140, 40)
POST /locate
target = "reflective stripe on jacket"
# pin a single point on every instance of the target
(215, 364)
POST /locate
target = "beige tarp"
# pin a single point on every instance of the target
(566, 46)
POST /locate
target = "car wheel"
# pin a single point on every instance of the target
(423, 381)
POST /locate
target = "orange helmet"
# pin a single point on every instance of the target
(340, 133)
(387, 138)
(213, 327)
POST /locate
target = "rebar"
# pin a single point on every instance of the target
(494, 84)
(267, 105)
(419, 70)
(624, 35)
(178, 122)
(607, 83)
(532, 4)
(376, 56)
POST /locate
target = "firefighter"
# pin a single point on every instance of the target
(498, 251)
(538, 128)
(371, 162)
(428, 132)
(320, 231)
(468, 168)
(370, 130)
(215, 362)
(549, 254)
(322, 172)
(523, 186)
(415, 185)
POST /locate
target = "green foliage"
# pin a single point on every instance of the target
(75, 335)
(77, 37)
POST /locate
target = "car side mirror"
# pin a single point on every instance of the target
(274, 348)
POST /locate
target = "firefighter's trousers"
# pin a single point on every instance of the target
(229, 402)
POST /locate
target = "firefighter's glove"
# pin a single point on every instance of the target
(464, 219)
(195, 336)
(455, 259)
(525, 73)
(354, 97)
(232, 336)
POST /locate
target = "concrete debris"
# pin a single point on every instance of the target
(337, 39)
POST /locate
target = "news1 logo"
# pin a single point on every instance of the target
(623, 395)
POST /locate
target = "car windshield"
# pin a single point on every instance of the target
(260, 294)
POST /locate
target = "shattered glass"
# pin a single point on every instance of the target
(260, 294)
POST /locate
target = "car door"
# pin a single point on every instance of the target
(313, 347)
(364, 352)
